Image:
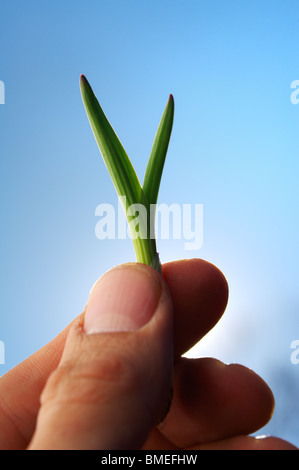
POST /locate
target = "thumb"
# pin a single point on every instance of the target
(113, 381)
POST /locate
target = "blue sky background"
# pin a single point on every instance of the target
(234, 149)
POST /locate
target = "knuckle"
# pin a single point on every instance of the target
(90, 381)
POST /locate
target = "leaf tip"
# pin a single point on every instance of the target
(84, 85)
(171, 101)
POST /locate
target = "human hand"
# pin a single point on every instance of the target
(93, 388)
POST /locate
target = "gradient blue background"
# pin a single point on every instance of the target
(234, 149)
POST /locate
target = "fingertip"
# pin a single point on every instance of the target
(200, 294)
(198, 273)
(124, 299)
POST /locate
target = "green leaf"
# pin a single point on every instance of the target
(117, 162)
(123, 176)
(157, 157)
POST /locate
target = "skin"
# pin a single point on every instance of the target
(109, 390)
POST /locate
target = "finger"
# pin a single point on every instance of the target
(247, 443)
(157, 441)
(213, 401)
(195, 311)
(20, 390)
(199, 292)
(114, 377)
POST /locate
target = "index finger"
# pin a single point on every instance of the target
(200, 293)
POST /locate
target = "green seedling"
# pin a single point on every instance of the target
(136, 199)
